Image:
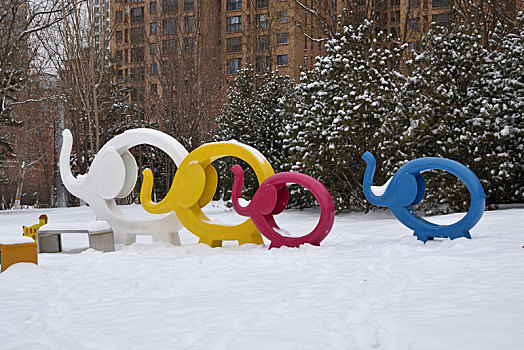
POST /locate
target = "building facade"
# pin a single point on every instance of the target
(152, 35)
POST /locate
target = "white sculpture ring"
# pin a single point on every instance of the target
(113, 174)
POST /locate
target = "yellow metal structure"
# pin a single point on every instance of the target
(32, 231)
(14, 253)
(194, 186)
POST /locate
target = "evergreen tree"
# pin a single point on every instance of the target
(252, 115)
(496, 124)
(11, 81)
(464, 102)
(335, 113)
(440, 86)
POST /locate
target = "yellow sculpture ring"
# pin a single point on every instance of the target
(194, 186)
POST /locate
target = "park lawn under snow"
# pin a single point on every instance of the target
(370, 285)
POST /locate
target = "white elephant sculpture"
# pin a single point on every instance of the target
(113, 174)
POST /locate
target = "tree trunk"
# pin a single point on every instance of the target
(19, 186)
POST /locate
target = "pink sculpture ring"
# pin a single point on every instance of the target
(271, 199)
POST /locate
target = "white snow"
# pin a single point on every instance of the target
(9, 240)
(370, 285)
(380, 190)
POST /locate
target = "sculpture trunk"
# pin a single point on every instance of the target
(70, 182)
(236, 191)
(368, 179)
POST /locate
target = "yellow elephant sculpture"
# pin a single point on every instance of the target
(194, 186)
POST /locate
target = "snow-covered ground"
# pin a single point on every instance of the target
(371, 285)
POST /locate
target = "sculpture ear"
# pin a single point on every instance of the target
(421, 188)
(267, 199)
(210, 186)
(407, 189)
(109, 173)
(131, 174)
(282, 199)
(190, 185)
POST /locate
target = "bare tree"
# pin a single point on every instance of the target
(185, 71)
(487, 13)
(79, 51)
(21, 77)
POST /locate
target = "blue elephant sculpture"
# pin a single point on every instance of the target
(406, 188)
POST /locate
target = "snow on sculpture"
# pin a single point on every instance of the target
(195, 184)
(113, 174)
(406, 188)
(271, 199)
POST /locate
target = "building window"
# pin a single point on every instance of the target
(169, 6)
(440, 3)
(234, 24)
(126, 35)
(118, 35)
(414, 24)
(152, 49)
(153, 69)
(152, 28)
(137, 0)
(168, 47)
(152, 7)
(442, 19)
(137, 14)
(189, 44)
(395, 16)
(261, 4)
(189, 5)
(395, 32)
(413, 46)
(169, 26)
(119, 55)
(120, 74)
(137, 94)
(234, 44)
(263, 42)
(233, 65)
(138, 74)
(334, 4)
(263, 21)
(414, 3)
(137, 35)
(189, 24)
(118, 16)
(137, 54)
(283, 16)
(395, 2)
(281, 60)
(263, 64)
(282, 38)
(154, 89)
(125, 57)
(233, 5)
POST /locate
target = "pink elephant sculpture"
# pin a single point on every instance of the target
(271, 199)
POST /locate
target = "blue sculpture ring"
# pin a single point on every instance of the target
(406, 188)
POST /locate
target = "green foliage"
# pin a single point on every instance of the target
(252, 116)
(463, 102)
(458, 99)
(335, 113)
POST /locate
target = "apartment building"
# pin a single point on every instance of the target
(411, 19)
(150, 36)
(267, 34)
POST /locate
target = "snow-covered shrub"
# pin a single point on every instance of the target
(252, 115)
(335, 112)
